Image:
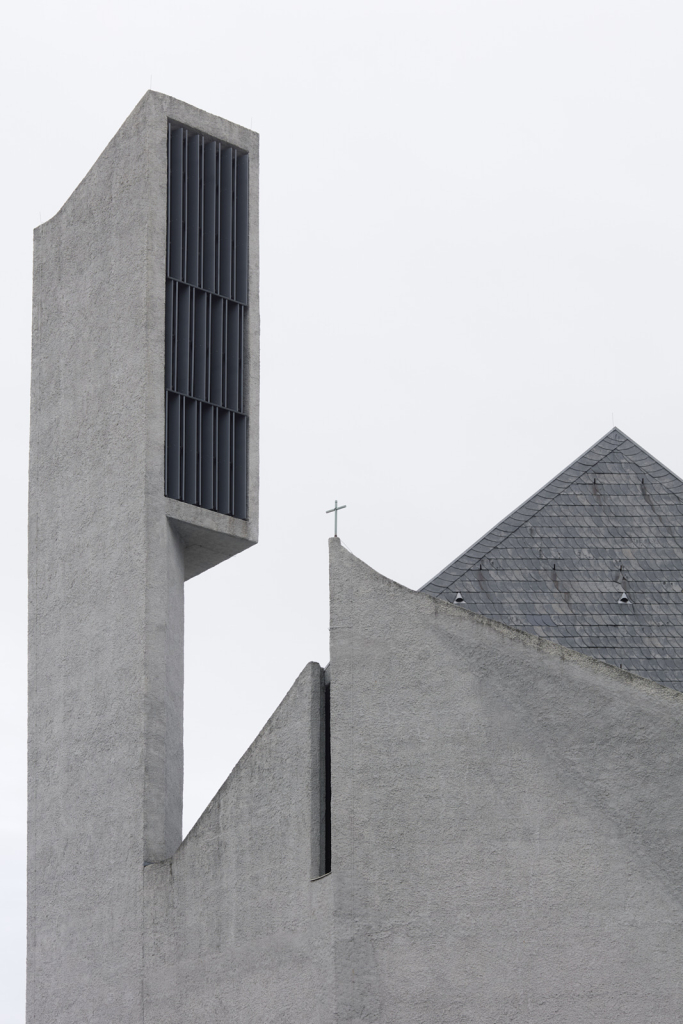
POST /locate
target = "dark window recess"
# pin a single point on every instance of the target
(327, 851)
(206, 301)
(321, 811)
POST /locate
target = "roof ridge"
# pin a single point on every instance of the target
(598, 569)
(528, 518)
(615, 435)
(657, 462)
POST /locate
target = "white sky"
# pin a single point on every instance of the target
(471, 261)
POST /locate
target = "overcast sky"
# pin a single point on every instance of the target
(471, 220)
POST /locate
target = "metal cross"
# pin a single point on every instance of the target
(336, 509)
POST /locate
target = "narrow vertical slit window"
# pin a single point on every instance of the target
(321, 808)
(327, 853)
(207, 249)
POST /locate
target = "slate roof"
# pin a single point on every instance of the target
(611, 522)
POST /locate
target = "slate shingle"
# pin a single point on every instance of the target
(612, 521)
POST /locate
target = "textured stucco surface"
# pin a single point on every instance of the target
(107, 558)
(235, 928)
(507, 814)
(507, 818)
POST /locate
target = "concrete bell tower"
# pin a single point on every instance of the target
(143, 473)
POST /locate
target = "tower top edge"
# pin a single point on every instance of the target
(148, 120)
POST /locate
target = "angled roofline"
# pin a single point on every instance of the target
(619, 438)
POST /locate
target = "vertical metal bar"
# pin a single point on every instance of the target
(181, 476)
(226, 207)
(200, 345)
(169, 333)
(190, 452)
(232, 387)
(200, 254)
(183, 339)
(217, 330)
(169, 135)
(232, 463)
(240, 467)
(192, 275)
(240, 367)
(190, 361)
(207, 386)
(207, 438)
(209, 238)
(207, 350)
(215, 458)
(166, 444)
(242, 229)
(224, 353)
(234, 224)
(198, 458)
(173, 446)
(223, 462)
(218, 216)
(175, 335)
(175, 242)
(184, 274)
(217, 222)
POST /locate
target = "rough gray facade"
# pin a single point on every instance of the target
(506, 818)
(108, 556)
(235, 930)
(506, 812)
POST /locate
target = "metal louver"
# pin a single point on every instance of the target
(206, 308)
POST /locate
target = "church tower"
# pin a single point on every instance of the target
(475, 812)
(143, 473)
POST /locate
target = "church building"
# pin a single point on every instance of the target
(473, 814)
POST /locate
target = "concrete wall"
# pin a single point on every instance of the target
(107, 557)
(507, 815)
(507, 821)
(236, 930)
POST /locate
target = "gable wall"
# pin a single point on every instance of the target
(507, 819)
(235, 929)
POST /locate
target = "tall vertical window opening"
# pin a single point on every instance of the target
(206, 306)
(321, 807)
(326, 864)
